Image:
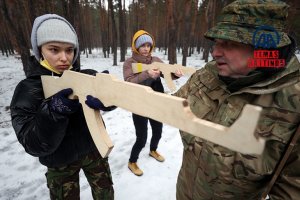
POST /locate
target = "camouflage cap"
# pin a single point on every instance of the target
(240, 20)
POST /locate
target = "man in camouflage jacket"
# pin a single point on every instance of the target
(219, 91)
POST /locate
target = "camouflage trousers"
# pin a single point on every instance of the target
(63, 182)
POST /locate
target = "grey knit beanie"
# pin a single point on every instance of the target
(52, 28)
(142, 40)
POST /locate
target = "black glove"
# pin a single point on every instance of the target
(105, 72)
(96, 104)
(60, 103)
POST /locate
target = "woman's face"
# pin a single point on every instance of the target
(144, 50)
(58, 54)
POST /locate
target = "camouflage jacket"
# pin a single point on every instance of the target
(210, 171)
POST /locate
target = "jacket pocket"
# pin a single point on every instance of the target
(277, 133)
(201, 105)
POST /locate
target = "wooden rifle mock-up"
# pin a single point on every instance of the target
(142, 100)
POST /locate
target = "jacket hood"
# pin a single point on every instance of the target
(138, 34)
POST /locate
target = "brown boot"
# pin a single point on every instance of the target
(135, 168)
(157, 156)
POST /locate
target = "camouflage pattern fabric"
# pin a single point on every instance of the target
(63, 182)
(239, 20)
(210, 171)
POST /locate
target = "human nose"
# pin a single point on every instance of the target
(63, 56)
(217, 51)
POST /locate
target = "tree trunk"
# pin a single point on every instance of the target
(5, 41)
(104, 29)
(125, 27)
(114, 32)
(187, 29)
(122, 32)
(74, 17)
(13, 13)
(210, 19)
(142, 14)
(193, 22)
(172, 33)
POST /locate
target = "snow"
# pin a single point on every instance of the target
(22, 177)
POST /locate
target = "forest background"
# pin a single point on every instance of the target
(177, 25)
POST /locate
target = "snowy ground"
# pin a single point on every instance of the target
(22, 176)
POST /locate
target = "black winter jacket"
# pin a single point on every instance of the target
(56, 139)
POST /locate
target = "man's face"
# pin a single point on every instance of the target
(232, 58)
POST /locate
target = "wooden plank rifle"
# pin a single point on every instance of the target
(165, 108)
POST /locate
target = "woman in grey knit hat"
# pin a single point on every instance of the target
(54, 129)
